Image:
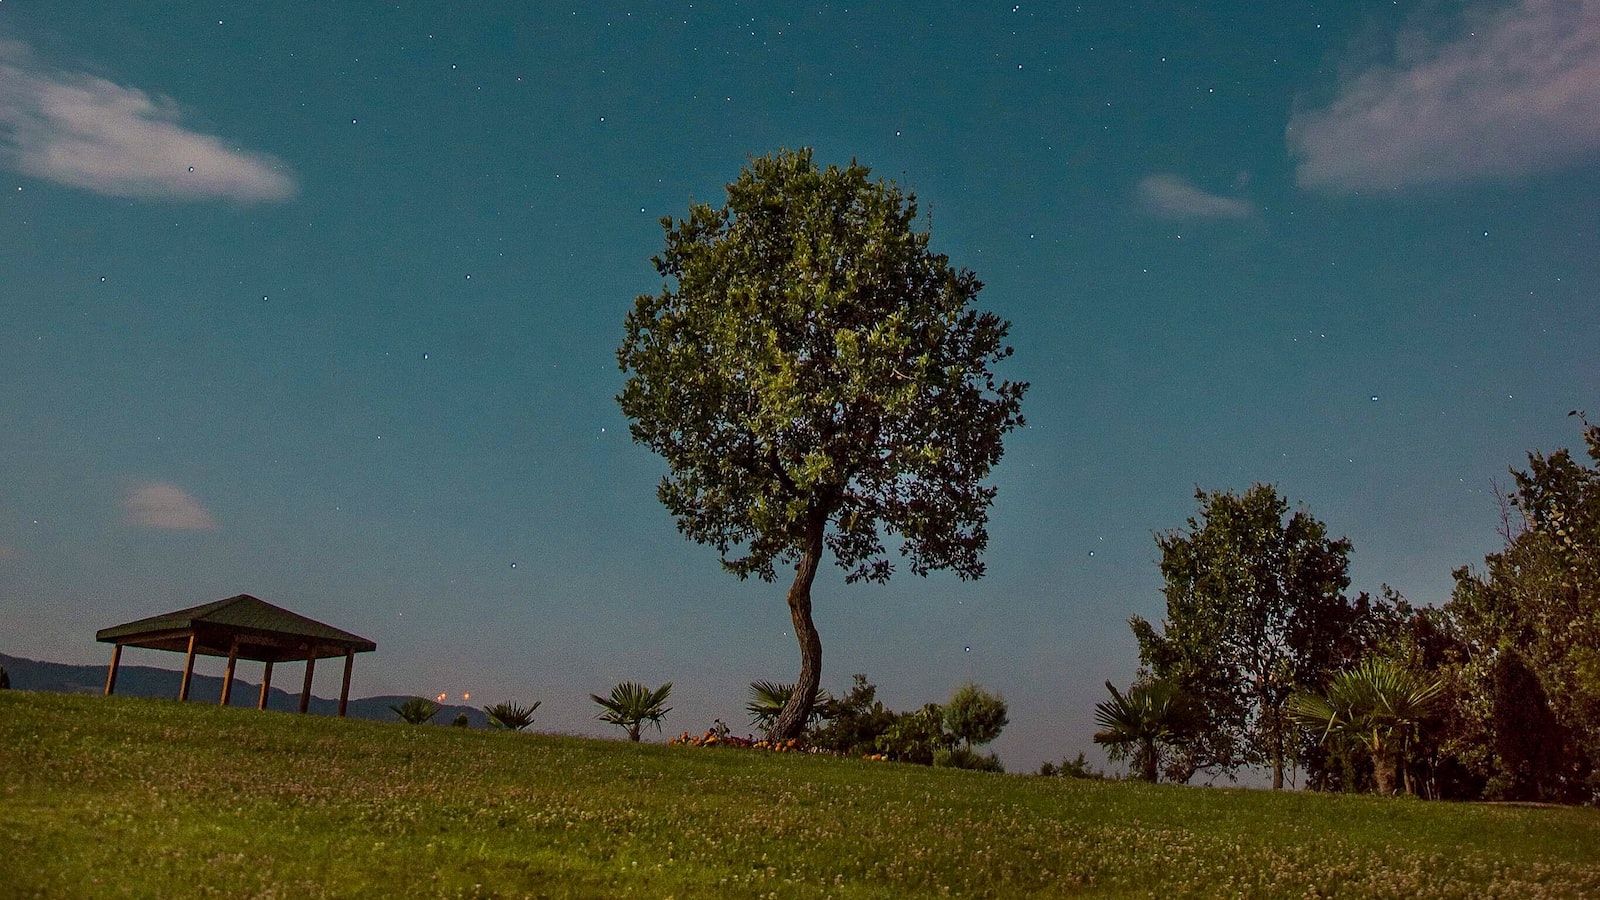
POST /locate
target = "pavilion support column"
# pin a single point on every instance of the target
(111, 673)
(344, 691)
(305, 692)
(227, 678)
(266, 685)
(188, 670)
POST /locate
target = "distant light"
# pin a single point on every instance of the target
(1374, 398)
(969, 648)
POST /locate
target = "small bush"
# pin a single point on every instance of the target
(1073, 768)
(967, 758)
(416, 711)
(460, 721)
(5, 680)
(510, 716)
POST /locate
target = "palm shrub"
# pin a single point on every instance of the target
(767, 699)
(1379, 703)
(416, 711)
(1138, 725)
(461, 721)
(631, 704)
(510, 716)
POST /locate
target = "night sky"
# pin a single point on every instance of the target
(320, 303)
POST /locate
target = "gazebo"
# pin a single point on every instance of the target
(242, 627)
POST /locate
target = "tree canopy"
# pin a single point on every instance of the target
(816, 377)
(1255, 611)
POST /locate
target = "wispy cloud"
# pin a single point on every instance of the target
(1518, 92)
(1172, 197)
(81, 130)
(163, 505)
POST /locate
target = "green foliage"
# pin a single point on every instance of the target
(460, 721)
(1255, 611)
(511, 716)
(1379, 703)
(631, 705)
(851, 724)
(1152, 719)
(967, 758)
(1528, 724)
(1077, 767)
(916, 736)
(815, 376)
(975, 716)
(416, 711)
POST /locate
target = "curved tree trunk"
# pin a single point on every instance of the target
(792, 720)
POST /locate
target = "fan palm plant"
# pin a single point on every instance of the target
(1380, 703)
(511, 716)
(1137, 724)
(631, 704)
(416, 711)
(767, 699)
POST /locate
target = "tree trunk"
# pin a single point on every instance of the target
(633, 732)
(1277, 759)
(1383, 770)
(1148, 762)
(791, 722)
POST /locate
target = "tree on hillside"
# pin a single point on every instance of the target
(1530, 625)
(817, 379)
(1256, 610)
(975, 716)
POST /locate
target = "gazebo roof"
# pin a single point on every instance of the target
(264, 632)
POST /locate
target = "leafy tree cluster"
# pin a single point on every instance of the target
(1521, 640)
(858, 724)
(1495, 694)
(1256, 610)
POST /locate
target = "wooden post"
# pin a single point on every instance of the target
(227, 678)
(305, 692)
(266, 684)
(344, 692)
(111, 673)
(188, 670)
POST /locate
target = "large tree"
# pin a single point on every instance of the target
(1530, 625)
(817, 379)
(1256, 610)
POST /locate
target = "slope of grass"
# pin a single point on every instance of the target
(129, 797)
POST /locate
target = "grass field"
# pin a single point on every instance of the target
(111, 796)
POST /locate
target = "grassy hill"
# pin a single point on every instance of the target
(127, 796)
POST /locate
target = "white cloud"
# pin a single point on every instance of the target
(91, 133)
(1517, 92)
(1171, 197)
(163, 505)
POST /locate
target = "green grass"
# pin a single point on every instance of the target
(118, 796)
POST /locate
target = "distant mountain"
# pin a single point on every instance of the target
(146, 681)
